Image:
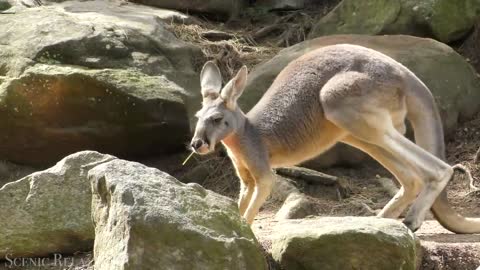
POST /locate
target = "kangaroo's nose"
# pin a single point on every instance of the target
(197, 143)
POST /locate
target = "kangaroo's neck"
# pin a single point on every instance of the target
(243, 136)
(240, 132)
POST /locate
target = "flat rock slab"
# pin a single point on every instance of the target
(344, 243)
(146, 219)
(445, 250)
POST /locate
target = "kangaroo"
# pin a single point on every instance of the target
(340, 93)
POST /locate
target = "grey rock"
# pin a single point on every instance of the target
(339, 243)
(444, 20)
(54, 110)
(220, 9)
(146, 219)
(49, 211)
(296, 206)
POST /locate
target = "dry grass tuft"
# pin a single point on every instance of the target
(221, 177)
(229, 54)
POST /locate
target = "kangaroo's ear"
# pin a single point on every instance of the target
(210, 80)
(234, 89)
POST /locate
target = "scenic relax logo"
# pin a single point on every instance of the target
(57, 260)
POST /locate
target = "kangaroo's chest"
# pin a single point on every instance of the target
(300, 144)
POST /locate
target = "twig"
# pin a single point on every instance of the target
(466, 171)
(368, 209)
(476, 158)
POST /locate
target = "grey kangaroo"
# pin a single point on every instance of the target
(340, 93)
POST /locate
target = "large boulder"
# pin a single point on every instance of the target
(146, 219)
(134, 90)
(49, 211)
(296, 206)
(51, 111)
(96, 37)
(444, 20)
(282, 4)
(452, 80)
(344, 243)
(4, 4)
(219, 9)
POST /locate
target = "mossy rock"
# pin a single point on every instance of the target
(444, 20)
(218, 9)
(4, 5)
(354, 17)
(49, 211)
(52, 111)
(97, 35)
(146, 219)
(344, 243)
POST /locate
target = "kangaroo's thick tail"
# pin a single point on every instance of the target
(425, 119)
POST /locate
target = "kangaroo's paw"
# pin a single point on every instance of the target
(412, 223)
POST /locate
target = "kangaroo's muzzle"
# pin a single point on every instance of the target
(200, 146)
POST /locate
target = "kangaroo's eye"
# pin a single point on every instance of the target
(217, 120)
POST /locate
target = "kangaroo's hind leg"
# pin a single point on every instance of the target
(411, 184)
(365, 110)
(436, 173)
(410, 181)
(376, 128)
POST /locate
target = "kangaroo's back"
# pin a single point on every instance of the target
(290, 115)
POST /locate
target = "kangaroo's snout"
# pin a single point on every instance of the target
(197, 144)
(200, 146)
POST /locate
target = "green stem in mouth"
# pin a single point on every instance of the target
(189, 156)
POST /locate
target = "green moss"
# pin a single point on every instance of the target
(4, 5)
(445, 20)
(358, 17)
(450, 20)
(344, 243)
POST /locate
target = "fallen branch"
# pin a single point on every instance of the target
(267, 30)
(466, 171)
(214, 35)
(309, 176)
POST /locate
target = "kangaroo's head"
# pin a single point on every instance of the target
(220, 115)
